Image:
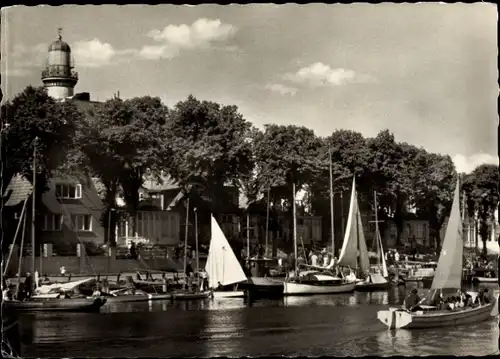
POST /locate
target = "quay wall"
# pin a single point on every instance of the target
(92, 265)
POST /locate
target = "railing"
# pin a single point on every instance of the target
(59, 71)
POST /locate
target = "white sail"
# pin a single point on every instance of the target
(222, 265)
(354, 252)
(449, 269)
(385, 273)
(62, 287)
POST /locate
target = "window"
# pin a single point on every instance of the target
(69, 191)
(52, 222)
(81, 222)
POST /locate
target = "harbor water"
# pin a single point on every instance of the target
(337, 325)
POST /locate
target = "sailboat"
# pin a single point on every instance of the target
(448, 277)
(222, 267)
(313, 281)
(354, 252)
(376, 280)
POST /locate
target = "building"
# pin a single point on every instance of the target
(58, 76)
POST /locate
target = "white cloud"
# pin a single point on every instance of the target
(202, 34)
(93, 53)
(23, 60)
(319, 74)
(282, 89)
(468, 164)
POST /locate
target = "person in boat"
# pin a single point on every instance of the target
(28, 286)
(412, 300)
(313, 259)
(396, 255)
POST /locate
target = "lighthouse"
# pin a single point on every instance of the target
(58, 76)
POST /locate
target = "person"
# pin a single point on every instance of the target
(486, 296)
(396, 255)
(326, 259)
(46, 279)
(133, 250)
(412, 300)
(63, 270)
(314, 259)
(28, 285)
(204, 279)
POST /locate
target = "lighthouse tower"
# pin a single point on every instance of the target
(58, 76)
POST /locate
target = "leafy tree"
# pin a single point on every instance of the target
(393, 175)
(209, 147)
(481, 188)
(34, 114)
(120, 142)
(434, 190)
(287, 155)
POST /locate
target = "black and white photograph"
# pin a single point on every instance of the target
(250, 180)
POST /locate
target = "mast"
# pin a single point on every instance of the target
(294, 228)
(196, 248)
(332, 222)
(185, 243)
(267, 219)
(342, 212)
(33, 209)
(376, 225)
(248, 232)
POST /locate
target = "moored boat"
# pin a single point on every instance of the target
(448, 277)
(191, 296)
(396, 318)
(375, 282)
(57, 305)
(223, 269)
(123, 295)
(485, 280)
(316, 283)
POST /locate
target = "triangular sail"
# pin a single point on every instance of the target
(222, 265)
(354, 251)
(385, 272)
(449, 269)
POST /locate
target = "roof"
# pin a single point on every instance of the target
(166, 183)
(18, 190)
(59, 45)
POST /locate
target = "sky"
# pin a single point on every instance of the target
(427, 72)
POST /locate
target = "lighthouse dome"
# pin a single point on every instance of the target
(59, 45)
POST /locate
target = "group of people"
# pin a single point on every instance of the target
(458, 301)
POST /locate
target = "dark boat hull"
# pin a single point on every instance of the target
(371, 287)
(58, 305)
(258, 287)
(11, 336)
(191, 296)
(137, 298)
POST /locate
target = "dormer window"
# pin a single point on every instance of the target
(69, 191)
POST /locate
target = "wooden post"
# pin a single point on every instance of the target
(294, 229)
(185, 243)
(267, 220)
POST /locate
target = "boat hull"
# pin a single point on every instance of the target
(371, 287)
(259, 287)
(58, 305)
(229, 294)
(11, 343)
(138, 298)
(484, 280)
(395, 318)
(295, 288)
(191, 296)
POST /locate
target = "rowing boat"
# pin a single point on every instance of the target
(57, 305)
(396, 318)
(448, 277)
(191, 296)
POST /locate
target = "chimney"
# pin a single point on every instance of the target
(118, 94)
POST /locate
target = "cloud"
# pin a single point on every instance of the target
(93, 53)
(468, 164)
(23, 60)
(282, 89)
(319, 74)
(202, 34)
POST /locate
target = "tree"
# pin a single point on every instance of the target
(434, 190)
(393, 175)
(209, 148)
(481, 188)
(34, 114)
(121, 141)
(287, 155)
